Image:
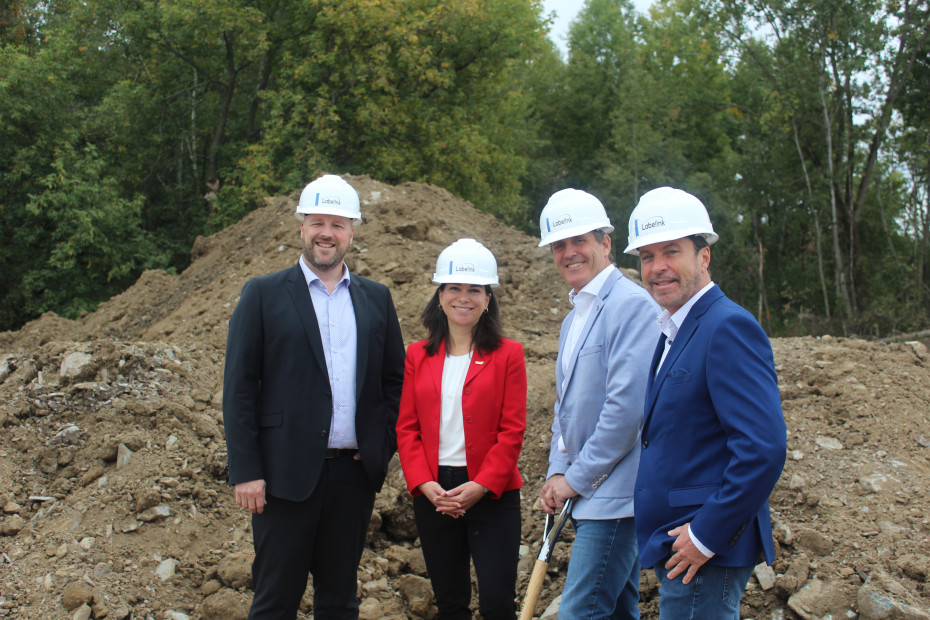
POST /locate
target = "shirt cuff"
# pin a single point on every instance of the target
(697, 543)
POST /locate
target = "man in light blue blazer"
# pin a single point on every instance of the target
(604, 349)
(714, 437)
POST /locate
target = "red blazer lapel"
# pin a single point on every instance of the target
(478, 363)
(434, 363)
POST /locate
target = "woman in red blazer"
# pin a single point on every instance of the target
(459, 434)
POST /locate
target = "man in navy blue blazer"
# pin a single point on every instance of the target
(714, 437)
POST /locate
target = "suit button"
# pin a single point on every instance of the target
(324, 433)
(468, 419)
(645, 444)
(468, 390)
(471, 447)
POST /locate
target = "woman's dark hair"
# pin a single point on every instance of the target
(488, 332)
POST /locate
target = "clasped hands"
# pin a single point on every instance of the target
(452, 502)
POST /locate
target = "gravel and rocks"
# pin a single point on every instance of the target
(113, 500)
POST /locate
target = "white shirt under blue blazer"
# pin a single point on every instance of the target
(713, 438)
(599, 400)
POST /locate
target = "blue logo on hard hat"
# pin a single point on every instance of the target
(469, 267)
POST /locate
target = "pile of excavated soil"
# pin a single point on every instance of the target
(112, 457)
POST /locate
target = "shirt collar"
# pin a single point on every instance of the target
(311, 277)
(594, 286)
(671, 323)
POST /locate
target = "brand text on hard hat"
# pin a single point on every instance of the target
(562, 220)
(656, 222)
(462, 268)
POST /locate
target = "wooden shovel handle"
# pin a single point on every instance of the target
(533, 589)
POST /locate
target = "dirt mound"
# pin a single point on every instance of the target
(113, 464)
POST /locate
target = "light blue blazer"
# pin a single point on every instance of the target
(599, 411)
(714, 438)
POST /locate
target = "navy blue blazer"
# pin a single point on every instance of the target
(713, 439)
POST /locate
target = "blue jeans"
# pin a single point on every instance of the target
(603, 572)
(713, 594)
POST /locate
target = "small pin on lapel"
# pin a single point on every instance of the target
(479, 362)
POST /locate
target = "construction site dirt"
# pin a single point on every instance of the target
(113, 466)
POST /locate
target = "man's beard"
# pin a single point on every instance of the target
(312, 260)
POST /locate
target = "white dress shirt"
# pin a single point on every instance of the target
(583, 301)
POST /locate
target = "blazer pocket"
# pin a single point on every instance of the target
(691, 496)
(591, 350)
(274, 419)
(678, 375)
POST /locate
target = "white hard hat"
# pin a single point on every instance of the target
(569, 213)
(466, 262)
(329, 195)
(666, 214)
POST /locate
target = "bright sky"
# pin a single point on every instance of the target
(567, 10)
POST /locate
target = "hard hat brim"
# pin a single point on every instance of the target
(454, 279)
(355, 218)
(573, 232)
(633, 248)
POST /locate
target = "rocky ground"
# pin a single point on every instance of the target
(112, 457)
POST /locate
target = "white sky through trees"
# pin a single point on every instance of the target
(566, 11)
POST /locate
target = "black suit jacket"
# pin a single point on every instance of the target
(277, 400)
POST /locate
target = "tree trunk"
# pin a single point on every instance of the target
(839, 264)
(212, 181)
(812, 209)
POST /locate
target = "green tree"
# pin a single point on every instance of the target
(413, 90)
(70, 238)
(835, 71)
(645, 103)
(185, 112)
(912, 146)
(87, 237)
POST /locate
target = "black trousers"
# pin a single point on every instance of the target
(488, 534)
(324, 536)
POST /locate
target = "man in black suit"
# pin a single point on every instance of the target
(314, 369)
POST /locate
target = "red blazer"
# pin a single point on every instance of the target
(494, 407)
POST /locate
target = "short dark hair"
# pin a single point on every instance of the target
(487, 334)
(699, 241)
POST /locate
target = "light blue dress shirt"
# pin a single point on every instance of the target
(335, 315)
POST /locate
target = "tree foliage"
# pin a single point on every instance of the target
(778, 114)
(182, 114)
(128, 127)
